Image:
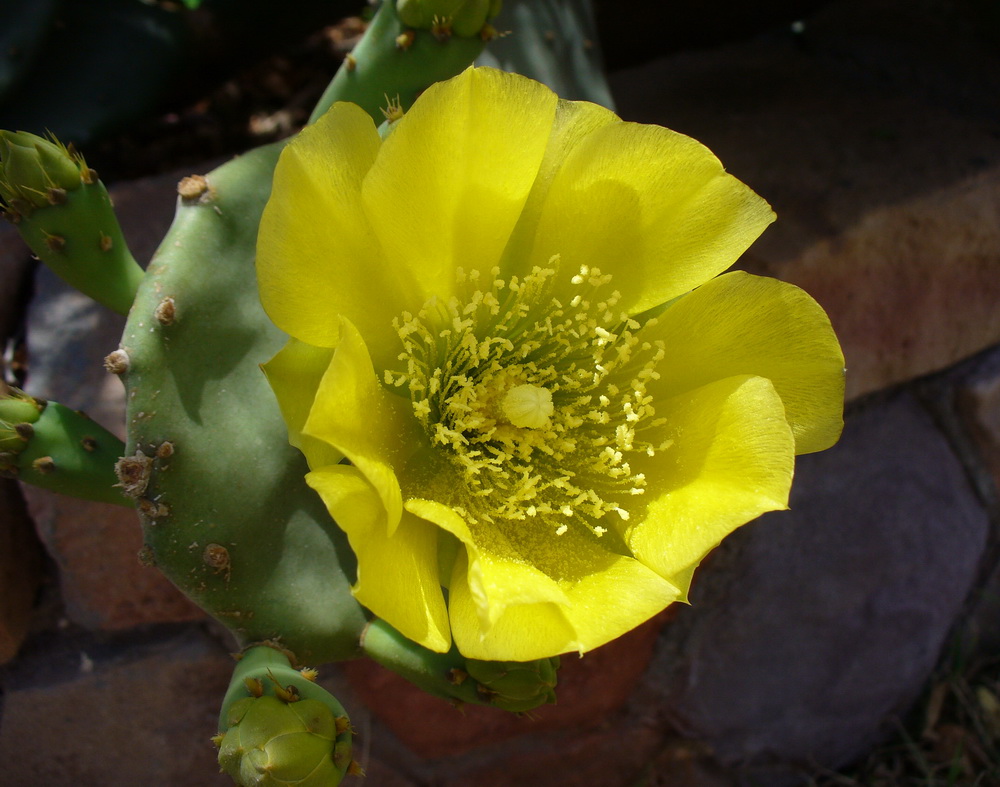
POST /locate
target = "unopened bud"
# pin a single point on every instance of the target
(36, 172)
(17, 412)
(464, 18)
(514, 685)
(273, 743)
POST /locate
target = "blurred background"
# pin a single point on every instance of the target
(852, 640)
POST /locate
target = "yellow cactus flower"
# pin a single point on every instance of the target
(509, 318)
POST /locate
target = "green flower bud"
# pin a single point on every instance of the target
(273, 743)
(65, 215)
(17, 410)
(513, 685)
(36, 172)
(464, 18)
(279, 728)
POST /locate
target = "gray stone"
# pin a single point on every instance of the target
(978, 405)
(811, 628)
(83, 713)
(872, 132)
(973, 398)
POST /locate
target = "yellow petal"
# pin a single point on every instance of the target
(728, 458)
(496, 578)
(574, 121)
(521, 592)
(602, 594)
(523, 633)
(615, 599)
(316, 254)
(651, 207)
(741, 324)
(452, 178)
(294, 375)
(397, 573)
(373, 428)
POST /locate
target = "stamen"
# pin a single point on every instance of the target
(538, 403)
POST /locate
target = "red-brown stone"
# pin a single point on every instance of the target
(102, 582)
(142, 717)
(20, 569)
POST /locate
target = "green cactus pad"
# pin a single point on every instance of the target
(81, 241)
(381, 68)
(225, 511)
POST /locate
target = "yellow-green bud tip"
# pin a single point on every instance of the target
(17, 412)
(34, 170)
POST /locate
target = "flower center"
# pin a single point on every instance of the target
(538, 402)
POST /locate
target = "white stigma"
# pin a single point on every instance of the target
(528, 406)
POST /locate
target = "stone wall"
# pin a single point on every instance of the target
(874, 130)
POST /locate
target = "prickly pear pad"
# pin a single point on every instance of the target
(552, 404)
